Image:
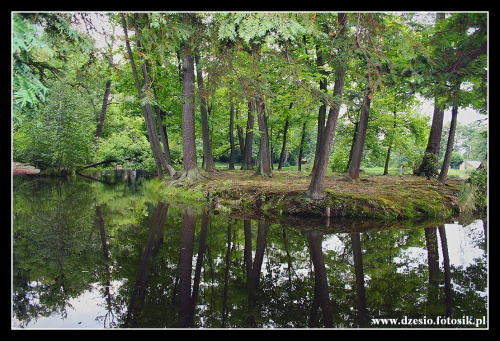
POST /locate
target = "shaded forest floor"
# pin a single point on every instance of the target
(387, 197)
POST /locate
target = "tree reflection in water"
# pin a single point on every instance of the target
(164, 265)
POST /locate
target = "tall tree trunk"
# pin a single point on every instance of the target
(391, 138)
(283, 146)
(387, 159)
(100, 124)
(247, 156)
(231, 137)
(429, 161)
(241, 139)
(301, 147)
(191, 172)
(317, 184)
(449, 146)
(207, 145)
(264, 168)
(357, 154)
(163, 134)
(165, 155)
(271, 147)
(434, 140)
(351, 151)
(164, 138)
(322, 110)
(145, 113)
(148, 87)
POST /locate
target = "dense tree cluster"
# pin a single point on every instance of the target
(170, 91)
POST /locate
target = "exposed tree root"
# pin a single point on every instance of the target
(186, 178)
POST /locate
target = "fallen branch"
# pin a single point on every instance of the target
(95, 164)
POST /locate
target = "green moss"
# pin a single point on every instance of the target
(381, 198)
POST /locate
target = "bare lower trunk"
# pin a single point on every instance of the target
(387, 159)
(164, 137)
(322, 110)
(191, 172)
(354, 136)
(357, 153)
(264, 168)
(301, 148)
(391, 138)
(247, 156)
(231, 137)
(429, 161)
(449, 146)
(241, 139)
(283, 146)
(100, 124)
(207, 146)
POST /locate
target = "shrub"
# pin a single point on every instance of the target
(473, 194)
(338, 161)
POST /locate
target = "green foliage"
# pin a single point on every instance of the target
(339, 160)
(456, 159)
(125, 148)
(28, 90)
(61, 134)
(473, 197)
(396, 55)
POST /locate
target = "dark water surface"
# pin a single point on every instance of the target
(110, 254)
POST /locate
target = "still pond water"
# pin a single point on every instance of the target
(110, 254)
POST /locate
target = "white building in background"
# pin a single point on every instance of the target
(466, 164)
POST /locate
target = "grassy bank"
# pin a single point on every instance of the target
(389, 197)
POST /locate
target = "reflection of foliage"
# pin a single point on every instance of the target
(59, 253)
(54, 260)
(471, 282)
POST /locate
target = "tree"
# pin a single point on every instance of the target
(459, 49)
(470, 66)
(429, 162)
(208, 158)
(40, 41)
(359, 141)
(317, 184)
(108, 55)
(54, 91)
(191, 172)
(145, 104)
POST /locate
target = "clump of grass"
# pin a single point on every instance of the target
(467, 198)
(473, 194)
(186, 194)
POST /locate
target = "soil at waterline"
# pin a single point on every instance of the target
(372, 196)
